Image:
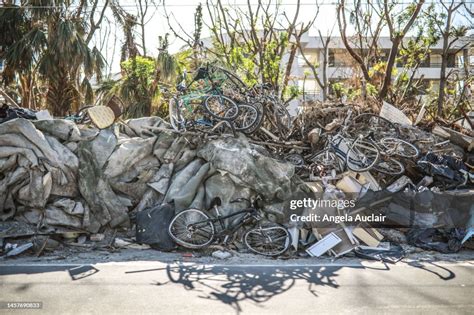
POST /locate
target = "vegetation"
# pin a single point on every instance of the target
(47, 55)
(56, 56)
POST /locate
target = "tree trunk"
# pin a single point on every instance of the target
(61, 96)
(396, 38)
(442, 78)
(289, 65)
(387, 80)
(466, 65)
(325, 71)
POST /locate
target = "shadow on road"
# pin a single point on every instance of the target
(76, 272)
(234, 284)
(434, 268)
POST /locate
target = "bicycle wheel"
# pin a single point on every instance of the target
(327, 161)
(192, 228)
(395, 146)
(282, 116)
(175, 117)
(389, 166)
(268, 240)
(221, 107)
(370, 124)
(260, 109)
(362, 156)
(233, 81)
(247, 118)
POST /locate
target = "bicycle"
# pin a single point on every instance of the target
(247, 118)
(341, 152)
(374, 143)
(263, 98)
(250, 113)
(383, 134)
(194, 229)
(210, 97)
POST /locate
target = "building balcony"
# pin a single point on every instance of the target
(342, 71)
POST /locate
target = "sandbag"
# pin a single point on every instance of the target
(152, 227)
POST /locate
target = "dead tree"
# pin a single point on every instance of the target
(368, 23)
(321, 68)
(95, 24)
(449, 35)
(251, 40)
(396, 37)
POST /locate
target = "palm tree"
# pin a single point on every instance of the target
(51, 47)
(141, 80)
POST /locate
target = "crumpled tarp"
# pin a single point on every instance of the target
(58, 174)
(34, 166)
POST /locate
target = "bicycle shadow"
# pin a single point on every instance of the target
(233, 285)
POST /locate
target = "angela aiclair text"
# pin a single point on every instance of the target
(338, 218)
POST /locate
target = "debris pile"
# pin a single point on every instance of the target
(75, 184)
(61, 178)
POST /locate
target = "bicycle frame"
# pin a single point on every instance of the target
(226, 232)
(340, 147)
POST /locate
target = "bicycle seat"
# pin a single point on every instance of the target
(202, 73)
(216, 202)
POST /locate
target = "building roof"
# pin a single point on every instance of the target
(315, 42)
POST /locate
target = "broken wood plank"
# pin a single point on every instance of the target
(464, 141)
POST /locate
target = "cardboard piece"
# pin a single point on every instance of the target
(440, 132)
(367, 180)
(349, 184)
(366, 237)
(465, 141)
(295, 233)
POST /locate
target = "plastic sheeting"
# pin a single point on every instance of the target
(58, 174)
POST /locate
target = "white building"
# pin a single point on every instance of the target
(341, 65)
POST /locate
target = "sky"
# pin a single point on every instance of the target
(182, 12)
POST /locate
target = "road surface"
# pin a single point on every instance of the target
(189, 288)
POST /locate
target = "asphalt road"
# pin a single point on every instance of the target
(162, 288)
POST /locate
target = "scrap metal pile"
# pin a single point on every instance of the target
(78, 185)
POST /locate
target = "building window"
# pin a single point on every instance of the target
(311, 56)
(331, 59)
(435, 61)
(310, 88)
(451, 61)
(425, 63)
